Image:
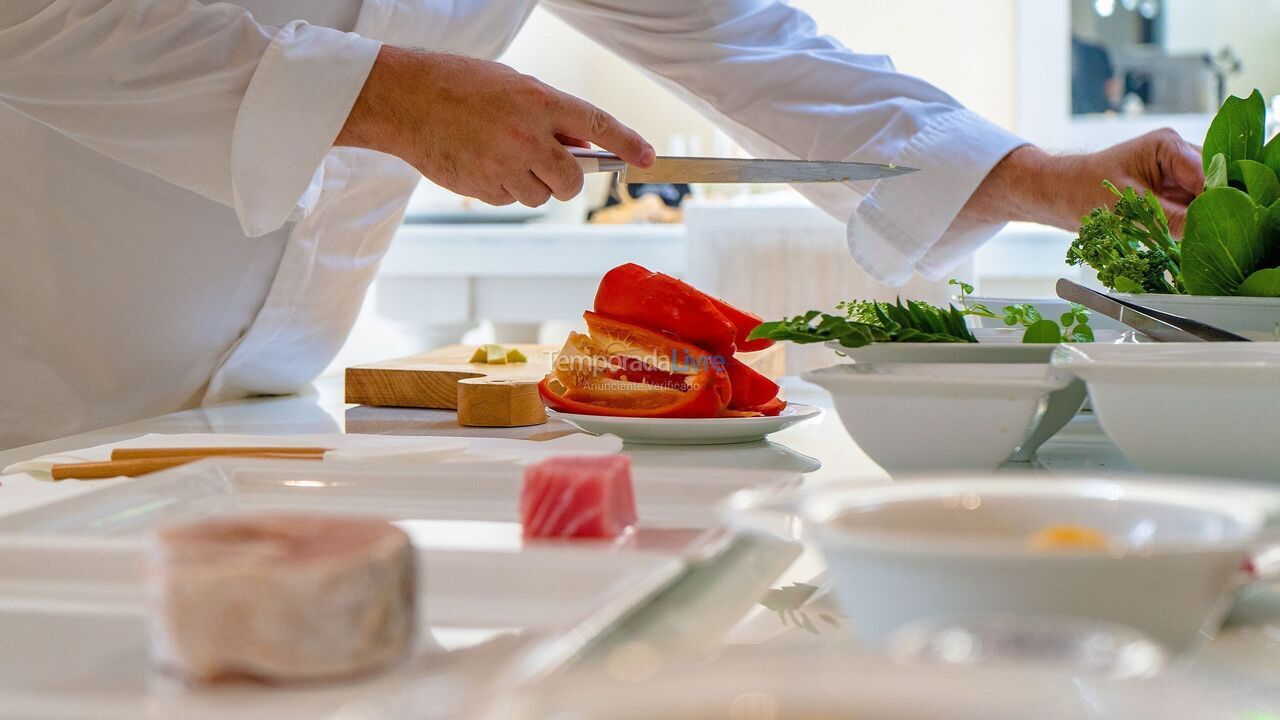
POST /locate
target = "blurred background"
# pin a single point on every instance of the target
(1067, 74)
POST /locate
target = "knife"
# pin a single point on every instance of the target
(734, 170)
(1159, 326)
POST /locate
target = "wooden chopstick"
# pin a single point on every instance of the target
(200, 452)
(141, 466)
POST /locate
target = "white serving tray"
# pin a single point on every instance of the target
(71, 612)
(74, 640)
(454, 506)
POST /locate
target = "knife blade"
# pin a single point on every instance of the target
(735, 170)
(1160, 326)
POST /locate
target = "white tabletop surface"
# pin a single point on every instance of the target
(1247, 653)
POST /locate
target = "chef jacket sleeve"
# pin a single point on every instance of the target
(203, 97)
(761, 70)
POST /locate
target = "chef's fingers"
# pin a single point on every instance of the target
(572, 141)
(1180, 164)
(1177, 214)
(495, 197)
(586, 121)
(559, 171)
(527, 188)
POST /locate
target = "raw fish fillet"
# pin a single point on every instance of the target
(280, 598)
(578, 497)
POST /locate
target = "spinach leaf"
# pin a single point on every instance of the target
(1237, 130)
(1263, 283)
(1271, 155)
(1223, 243)
(1259, 181)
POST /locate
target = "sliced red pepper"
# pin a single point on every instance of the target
(633, 294)
(627, 370)
(743, 323)
(772, 408)
(750, 388)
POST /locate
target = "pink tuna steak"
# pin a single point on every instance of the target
(578, 497)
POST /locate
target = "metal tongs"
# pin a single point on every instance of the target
(1159, 326)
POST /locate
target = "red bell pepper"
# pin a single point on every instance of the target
(743, 323)
(627, 370)
(660, 302)
(750, 388)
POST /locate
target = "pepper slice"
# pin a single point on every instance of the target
(627, 370)
(633, 294)
(750, 388)
(743, 323)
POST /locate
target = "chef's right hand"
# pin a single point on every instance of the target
(480, 128)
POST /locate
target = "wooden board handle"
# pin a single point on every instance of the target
(495, 402)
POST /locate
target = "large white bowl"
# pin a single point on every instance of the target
(1255, 318)
(1199, 408)
(926, 549)
(912, 417)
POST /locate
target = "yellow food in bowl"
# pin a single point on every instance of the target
(1068, 537)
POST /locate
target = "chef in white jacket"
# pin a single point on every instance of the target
(192, 201)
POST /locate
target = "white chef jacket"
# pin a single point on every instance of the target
(176, 227)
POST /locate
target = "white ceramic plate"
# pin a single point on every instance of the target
(1199, 408)
(690, 431)
(72, 619)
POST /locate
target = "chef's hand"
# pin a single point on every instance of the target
(480, 128)
(1033, 185)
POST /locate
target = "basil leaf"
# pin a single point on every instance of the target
(1263, 283)
(1223, 243)
(1237, 130)
(1042, 332)
(1260, 182)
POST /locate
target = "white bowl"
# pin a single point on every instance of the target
(926, 549)
(1198, 408)
(930, 416)
(1061, 406)
(1253, 317)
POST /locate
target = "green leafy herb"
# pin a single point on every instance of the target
(1237, 130)
(863, 322)
(1223, 243)
(1130, 246)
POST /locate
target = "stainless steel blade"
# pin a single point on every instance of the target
(735, 170)
(1158, 325)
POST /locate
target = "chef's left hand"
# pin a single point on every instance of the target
(1033, 185)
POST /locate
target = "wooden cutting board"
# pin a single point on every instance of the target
(483, 395)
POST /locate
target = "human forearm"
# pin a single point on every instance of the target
(1032, 185)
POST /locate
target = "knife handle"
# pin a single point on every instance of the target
(594, 161)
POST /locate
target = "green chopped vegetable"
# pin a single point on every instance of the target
(1131, 246)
